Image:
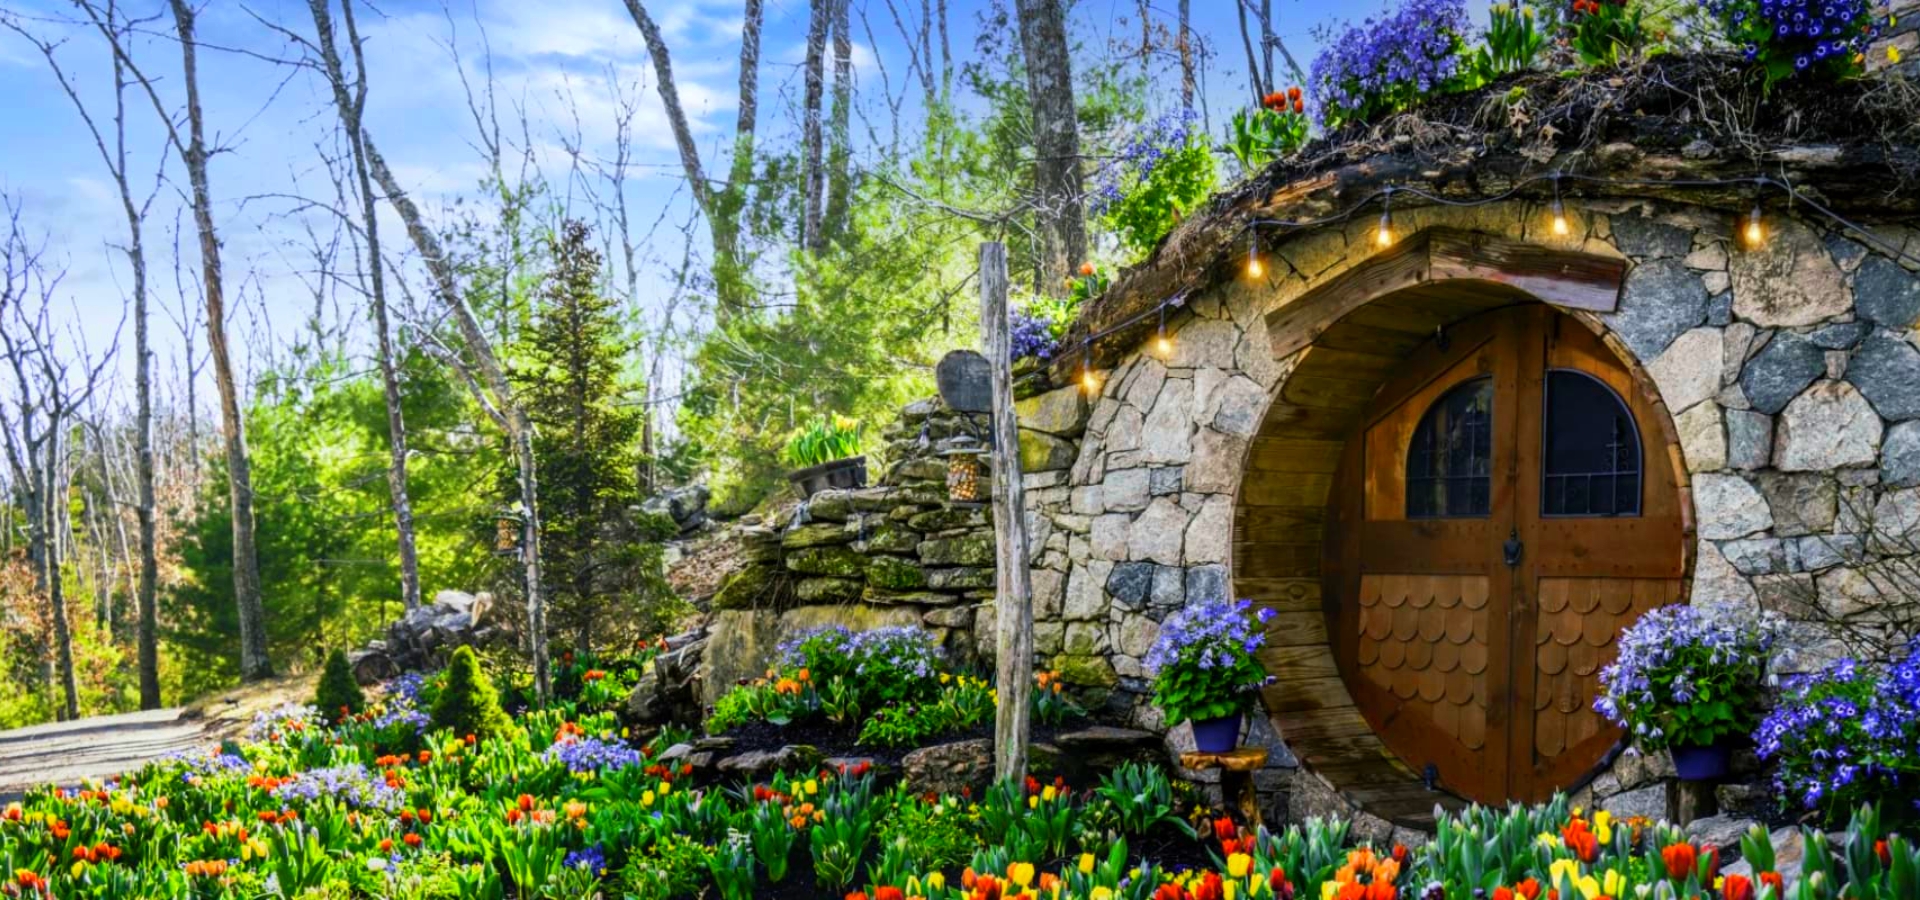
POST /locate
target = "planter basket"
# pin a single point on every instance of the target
(840, 474)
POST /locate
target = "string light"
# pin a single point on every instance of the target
(1161, 343)
(1559, 212)
(1384, 237)
(1753, 232)
(1088, 381)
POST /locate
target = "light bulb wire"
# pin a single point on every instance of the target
(1518, 188)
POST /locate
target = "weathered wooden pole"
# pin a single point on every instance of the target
(1013, 582)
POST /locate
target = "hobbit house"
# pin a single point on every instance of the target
(1457, 459)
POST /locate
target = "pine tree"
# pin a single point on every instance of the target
(603, 561)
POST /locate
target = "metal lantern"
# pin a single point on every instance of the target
(506, 531)
(966, 469)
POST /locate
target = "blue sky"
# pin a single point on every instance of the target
(547, 56)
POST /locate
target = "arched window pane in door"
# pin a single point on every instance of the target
(1450, 461)
(1591, 449)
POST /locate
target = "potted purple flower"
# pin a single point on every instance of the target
(1204, 669)
(1690, 682)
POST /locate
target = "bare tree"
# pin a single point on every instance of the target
(112, 146)
(350, 101)
(194, 151)
(51, 385)
(721, 204)
(1056, 141)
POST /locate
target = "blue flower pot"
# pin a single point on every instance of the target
(1217, 735)
(1706, 763)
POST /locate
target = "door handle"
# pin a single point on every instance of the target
(1512, 549)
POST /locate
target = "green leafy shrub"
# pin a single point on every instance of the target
(1276, 129)
(824, 441)
(937, 833)
(1609, 32)
(338, 697)
(1142, 799)
(1156, 181)
(468, 702)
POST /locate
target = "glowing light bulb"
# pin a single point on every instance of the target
(1254, 268)
(1163, 346)
(1559, 219)
(1756, 234)
(1089, 382)
(1384, 236)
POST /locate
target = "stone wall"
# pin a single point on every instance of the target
(1902, 38)
(1790, 374)
(894, 553)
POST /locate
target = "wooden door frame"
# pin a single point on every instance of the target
(1433, 278)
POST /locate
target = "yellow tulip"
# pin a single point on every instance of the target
(1086, 864)
(1101, 893)
(1615, 883)
(1048, 794)
(1603, 826)
(1020, 873)
(1238, 864)
(936, 881)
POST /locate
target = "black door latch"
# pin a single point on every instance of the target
(1512, 549)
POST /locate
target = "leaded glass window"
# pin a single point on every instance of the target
(1450, 463)
(1591, 448)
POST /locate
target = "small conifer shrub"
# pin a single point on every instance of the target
(468, 704)
(338, 696)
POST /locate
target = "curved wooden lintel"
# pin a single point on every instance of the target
(1564, 278)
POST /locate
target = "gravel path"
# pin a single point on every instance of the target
(64, 753)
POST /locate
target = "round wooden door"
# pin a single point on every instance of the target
(1505, 509)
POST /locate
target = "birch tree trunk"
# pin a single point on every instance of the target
(1056, 139)
(813, 172)
(721, 206)
(491, 389)
(839, 134)
(1184, 37)
(55, 502)
(349, 103)
(1013, 603)
(254, 662)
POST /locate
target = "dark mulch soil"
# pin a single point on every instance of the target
(843, 740)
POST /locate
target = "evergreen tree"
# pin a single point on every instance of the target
(603, 562)
(469, 703)
(338, 695)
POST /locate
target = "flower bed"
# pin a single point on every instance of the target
(566, 808)
(892, 687)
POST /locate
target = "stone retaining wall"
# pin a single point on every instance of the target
(894, 553)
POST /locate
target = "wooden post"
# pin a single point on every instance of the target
(1013, 582)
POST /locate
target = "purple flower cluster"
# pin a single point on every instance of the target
(1847, 734)
(1135, 162)
(353, 785)
(903, 649)
(407, 687)
(1669, 653)
(1032, 335)
(283, 723)
(1214, 633)
(205, 765)
(590, 859)
(402, 714)
(1389, 62)
(592, 755)
(1809, 32)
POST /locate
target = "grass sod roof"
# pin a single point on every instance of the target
(1852, 146)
